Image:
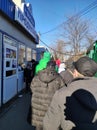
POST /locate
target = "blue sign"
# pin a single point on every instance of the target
(28, 15)
(25, 22)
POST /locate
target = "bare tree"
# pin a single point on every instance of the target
(90, 39)
(59, 50)
(76, 31)
(74, 39)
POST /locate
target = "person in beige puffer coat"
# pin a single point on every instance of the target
(75, 107)
(43, 87)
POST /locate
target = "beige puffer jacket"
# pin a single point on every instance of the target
(43, 87)
(56, 116)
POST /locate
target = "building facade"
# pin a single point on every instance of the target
(18, 40)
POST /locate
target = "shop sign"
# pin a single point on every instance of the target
(27, 11)
(24, 21)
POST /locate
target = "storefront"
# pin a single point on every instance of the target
(1, 78)
(18, 40)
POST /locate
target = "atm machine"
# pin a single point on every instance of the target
(10, 72)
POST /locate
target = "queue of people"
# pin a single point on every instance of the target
(75, 107)
(65, 100)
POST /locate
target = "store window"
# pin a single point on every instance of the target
(21, 58)
(34, 54)
(28, 54)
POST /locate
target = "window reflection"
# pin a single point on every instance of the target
(21, 58)
(28, 54)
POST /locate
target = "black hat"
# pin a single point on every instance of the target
(86, 66)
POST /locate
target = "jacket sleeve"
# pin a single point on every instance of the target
(52, 118)
(34, 84)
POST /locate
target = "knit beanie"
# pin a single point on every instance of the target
(86, 66)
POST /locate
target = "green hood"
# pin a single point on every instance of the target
(46, 55)
(43, 62)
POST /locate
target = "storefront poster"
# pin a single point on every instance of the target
(10, 53)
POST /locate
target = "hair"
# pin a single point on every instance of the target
(51, 63)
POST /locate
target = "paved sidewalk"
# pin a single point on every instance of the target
(14, 117)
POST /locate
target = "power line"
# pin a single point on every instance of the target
(81, 13)
(86, 10)
(66, 53)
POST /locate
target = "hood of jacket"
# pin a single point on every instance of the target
(81, 107)
(61, 69)
(48, 75)
(86, 99)
(67, 76)
(43, 62)
(47, 55)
